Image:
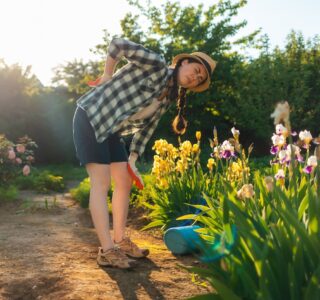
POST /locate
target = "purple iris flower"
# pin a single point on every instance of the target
(274, 150)
(226, 154)
(308, 169)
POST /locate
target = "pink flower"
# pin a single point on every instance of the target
(18, 160)
(26, 170)
(11, 154)
(30, 158)
(21, 148)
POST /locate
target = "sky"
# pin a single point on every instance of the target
(46, 33)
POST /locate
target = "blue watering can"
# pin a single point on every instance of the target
(185, 240)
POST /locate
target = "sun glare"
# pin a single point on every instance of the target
(47, 33)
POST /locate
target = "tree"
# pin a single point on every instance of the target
(18, 85)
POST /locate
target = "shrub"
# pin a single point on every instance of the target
(8, 193)
(16, 158)
(45, 182)
(82, 193)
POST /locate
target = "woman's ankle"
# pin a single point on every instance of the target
(118, 238)
(107, 247)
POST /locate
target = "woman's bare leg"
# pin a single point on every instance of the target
(100, 182)
(120, 198)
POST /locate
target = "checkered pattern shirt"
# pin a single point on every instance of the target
(131, 88)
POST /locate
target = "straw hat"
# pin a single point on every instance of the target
(205, 60)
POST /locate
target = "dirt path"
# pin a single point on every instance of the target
(50, 253)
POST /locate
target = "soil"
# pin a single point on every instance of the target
(48, 250)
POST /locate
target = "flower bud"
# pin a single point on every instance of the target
(268, 181)
(198, 135)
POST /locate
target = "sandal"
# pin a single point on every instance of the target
(114, 257)
(131, 249)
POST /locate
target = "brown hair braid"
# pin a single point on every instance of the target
(179, 124)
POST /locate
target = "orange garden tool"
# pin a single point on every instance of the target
(95, 82)
(135, 178)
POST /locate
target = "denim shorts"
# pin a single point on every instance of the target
(88, 150)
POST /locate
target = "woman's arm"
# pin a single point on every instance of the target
(109, 66)
(135, 53)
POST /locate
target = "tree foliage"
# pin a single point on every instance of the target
(243, 91)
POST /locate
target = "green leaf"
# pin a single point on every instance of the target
(293, 284)
(313, 225)
(313, 288)
(223, 291)
(269, 284)
(156, 223)
(248, 281)
(303, 206)
(225, 209)
(312, 246)
(187, 217)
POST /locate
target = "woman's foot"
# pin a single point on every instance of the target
(114, 257)
(131, 249)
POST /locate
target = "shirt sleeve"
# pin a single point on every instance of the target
(134, 53)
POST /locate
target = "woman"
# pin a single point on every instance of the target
(131, 101)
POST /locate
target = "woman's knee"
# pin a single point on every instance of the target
(121, 177)
(99, 177)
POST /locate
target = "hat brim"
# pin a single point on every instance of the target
(199, 88)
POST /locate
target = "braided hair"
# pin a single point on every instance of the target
(178, 94)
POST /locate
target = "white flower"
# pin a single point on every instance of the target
(226, 146)
(312, 161)
(279, 175)
(280, 129)
(295, 148)
(283, 155)
(278, 140)
(305, 136)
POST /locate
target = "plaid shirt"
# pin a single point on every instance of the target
(131, 88)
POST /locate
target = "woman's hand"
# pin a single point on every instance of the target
(100, 80)
(105, 78)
